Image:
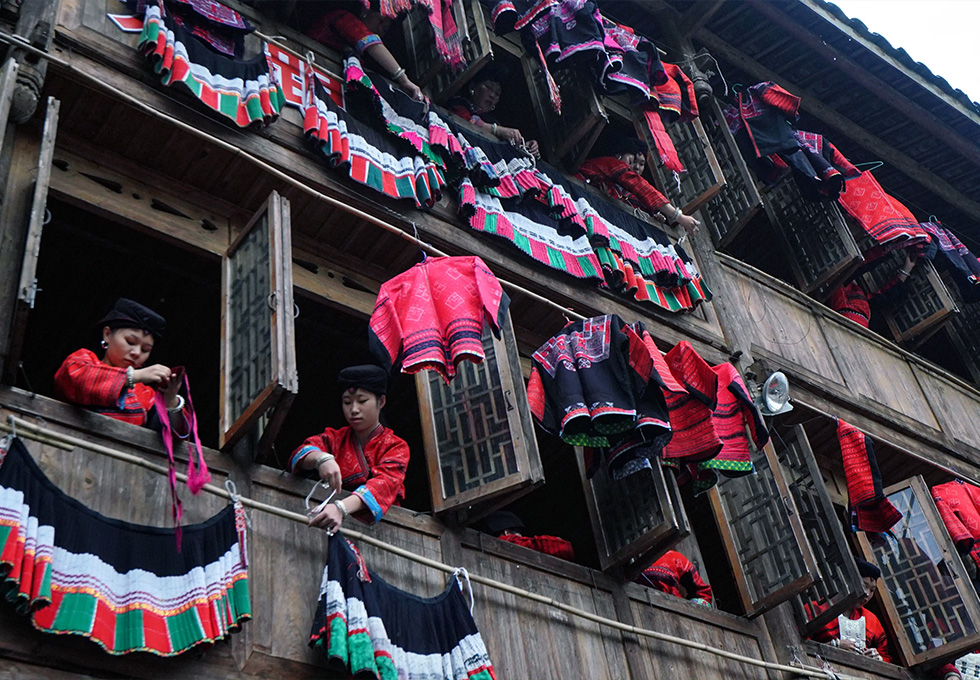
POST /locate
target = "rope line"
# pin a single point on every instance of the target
(33, 431)
(267, 167)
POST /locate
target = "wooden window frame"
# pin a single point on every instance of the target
(283, 384)
(923, 274)
(953, 562)
(763, 604)
(471, 503)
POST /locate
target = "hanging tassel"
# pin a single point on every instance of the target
(362, 570)
(197, 475)
(554, 92)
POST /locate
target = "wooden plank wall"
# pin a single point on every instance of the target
(850, 371)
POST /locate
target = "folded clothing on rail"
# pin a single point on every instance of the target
(74, 571)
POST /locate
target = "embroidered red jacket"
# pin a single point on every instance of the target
(959, 506)
(550, 545)
(615, 178)
(84, 380)
(432, 316)
(675, 575)
(875, 637)
(376, 474)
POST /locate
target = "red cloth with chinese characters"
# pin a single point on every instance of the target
(375, 473)
(875, 637)
(83, 379)
(959, 506)
(550, 545)
(432, 316)
(872, 510)
(675, 575)
(613, 177)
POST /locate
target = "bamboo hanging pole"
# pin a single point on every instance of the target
(267, 167)
(34, 431)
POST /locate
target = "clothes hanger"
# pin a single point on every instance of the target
(871, 165)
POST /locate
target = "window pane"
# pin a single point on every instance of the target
(474, 441)
(760, 528)
(918, 579)
(250, 329)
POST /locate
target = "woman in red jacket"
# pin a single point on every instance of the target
(365, 457)
(618, 173)
(120, 384)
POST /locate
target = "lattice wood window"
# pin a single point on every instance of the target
(569, 137)
(837, 583)
(478, 434)
(924, 306)
(425, 65)
(964, 333)
(27, 283)
(702, 179)
(763, 535)
(739, 200)
(924, 588)
(635, 519)
(821, 249)
(258, 353)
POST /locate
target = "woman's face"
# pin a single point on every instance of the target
(639, 163)
(485, 95)
(127, 346)
(362, 409)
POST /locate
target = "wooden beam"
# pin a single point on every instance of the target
(817, 7)
(696, 16)
(908, 166)
(872, 83)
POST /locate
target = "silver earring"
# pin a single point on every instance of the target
(105, 345)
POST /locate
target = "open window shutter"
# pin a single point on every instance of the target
(763, 535)
(925, 303)
(738, 200)
(27, 282)
(635, 519)
(478, 434)
(838, 584)
(426, 66)
(821, 250)
(569, 137)
(258, 353)
(926, 592)
(963, 331)
(702, 179)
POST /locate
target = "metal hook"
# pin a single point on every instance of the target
(933, 219)
(47, 217)
(237, 500)
(295, 311)
(12, 422)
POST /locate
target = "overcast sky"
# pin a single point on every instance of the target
(942, 34)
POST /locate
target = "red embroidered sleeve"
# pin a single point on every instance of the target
(386, 482)
(839, 161)
(875, 636)
(83, 379)
(609, 169)
(961, 535)
(777, 97)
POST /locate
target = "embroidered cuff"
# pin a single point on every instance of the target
(298, 456)
(370, 503)
(701, 601)
(366, 42)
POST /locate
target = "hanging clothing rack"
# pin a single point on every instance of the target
(279, 174)
(30, 430)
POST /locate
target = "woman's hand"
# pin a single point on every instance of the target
(691, 225)
(329, 519)
(157, 374)
(532, 148)
(170, 390)
(507, 134)
(410, 88)
(329, 472)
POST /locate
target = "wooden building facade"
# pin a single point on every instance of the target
(114, 184)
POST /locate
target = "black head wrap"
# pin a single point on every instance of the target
(868, 569)
(499, 521)
(495, 72)
(616, 144)
(372, 378)
(126, 313)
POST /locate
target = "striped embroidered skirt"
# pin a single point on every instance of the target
(243, 90)
(124, 586)
(372, 629)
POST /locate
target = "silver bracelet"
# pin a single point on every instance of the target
(130, 382)
(398, 74)
(178, 407)
(324, 458)
(678, 213)
(343, 508)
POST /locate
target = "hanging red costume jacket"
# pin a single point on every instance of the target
(432, 316)
(959, 506)
(675, 575)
